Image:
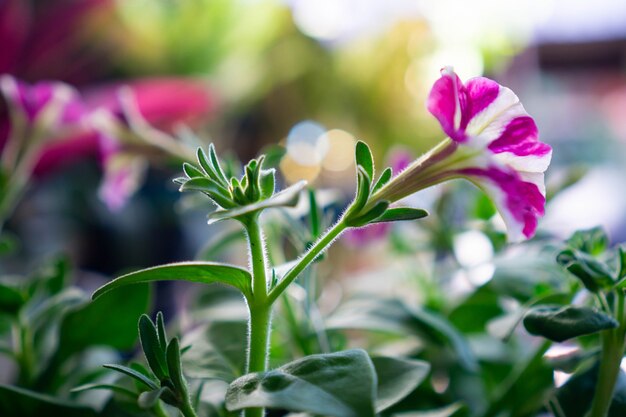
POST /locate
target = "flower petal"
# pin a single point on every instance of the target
(519, 201)
(444, 102)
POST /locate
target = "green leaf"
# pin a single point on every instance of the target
(594, 274)
(138, 376)
(219, 352)
(340, 384)
(8, 243)
(592, 241)
(215, 163)
(447, 411)
(621, 253)
(148, 399)
(21, 402)
(397, 214)
(11, 299)
(397, 378)
(370, 217)
(103, 322)
(219, 194)
(192, 171)
(160, 325)
(287, 197)
(363, 156)
(392, 315)
(384, 179)
(203, 272)
(151, 346)
(563, 323)
(109, 387)
(208, 167)
(362, 194)
(175, 367)
(267, 183)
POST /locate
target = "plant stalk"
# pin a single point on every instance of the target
(259, 308)
(610, 361)
(313, 252)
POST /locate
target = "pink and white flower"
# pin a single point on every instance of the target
(492, 141)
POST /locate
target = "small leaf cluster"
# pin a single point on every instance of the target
(364, 209)
(587, 258)
(236, 198)
(208, 177)
(167, 381)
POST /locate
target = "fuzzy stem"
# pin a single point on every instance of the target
(610, 361)
(259, 307)
(186, 409)
(313, 252)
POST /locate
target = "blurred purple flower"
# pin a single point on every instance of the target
(65, 125)
(363, 236)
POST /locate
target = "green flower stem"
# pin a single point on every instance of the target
(610, 360)
(186, 409)
(259, 307)
(313, 252)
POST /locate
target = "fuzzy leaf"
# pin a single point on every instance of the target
(594, 274)
(192, 171)
(397, 214)
(175, 367)
(363, 156)
(370, 217)
(397, 378)
(138, 376)
(340, 384)
(562, 323)
(384, 179)
(287, 197)
(268, 183)
(215, 163)
(203, 272)
(151, 346)
(592, 241)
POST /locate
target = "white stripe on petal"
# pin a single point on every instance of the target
(505, 101)
(526, 163)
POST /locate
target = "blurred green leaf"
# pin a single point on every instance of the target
(203, 272)
(447, 411)
(594, 274)
(575, 396)
(218, 352)
(392, 315)
(397, 378)
(340, 384)
(592, 241)
(136, 375)
(11, 299)
(109, 387)
(104, 322)
(15, 401)
(562, 323)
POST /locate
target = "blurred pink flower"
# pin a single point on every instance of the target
(65, 124)
(53, 39)
(363, 236)
(493, 142)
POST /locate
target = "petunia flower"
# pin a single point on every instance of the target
(492, 142)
